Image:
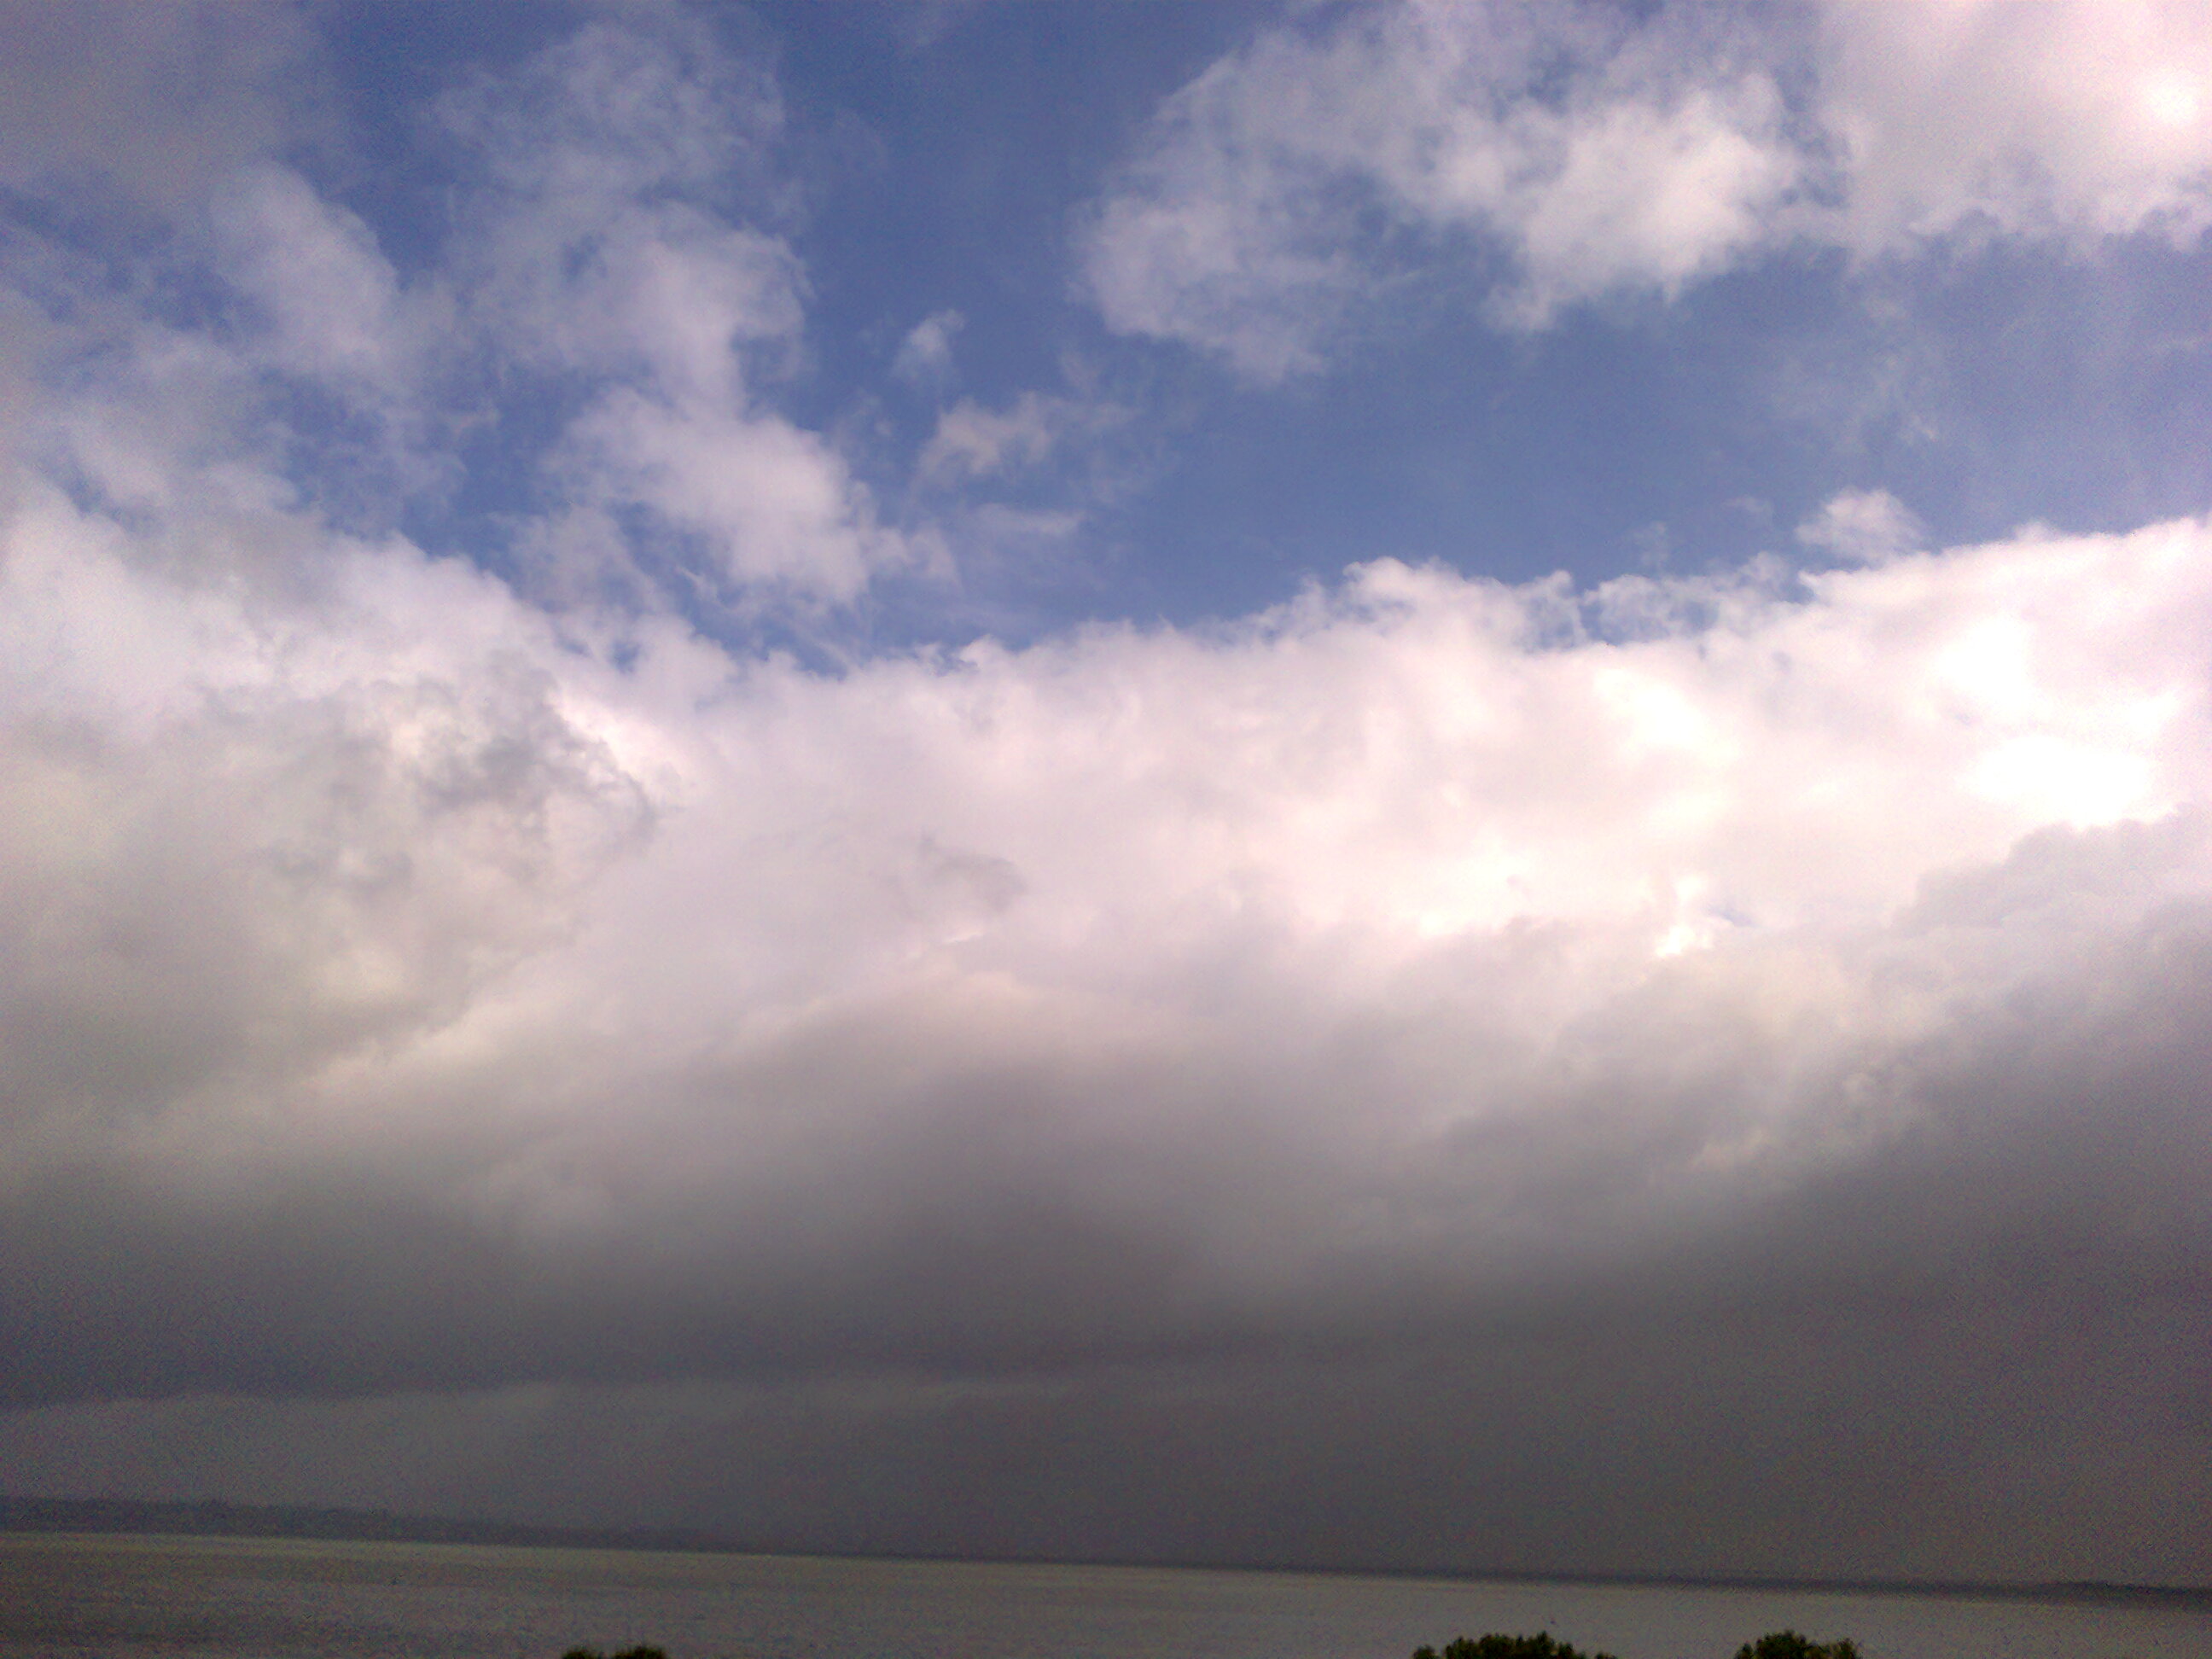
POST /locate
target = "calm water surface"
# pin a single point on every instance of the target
(267, 1599)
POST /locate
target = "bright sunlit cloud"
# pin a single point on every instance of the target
(1566, 153)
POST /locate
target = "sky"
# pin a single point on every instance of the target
(1406, 785)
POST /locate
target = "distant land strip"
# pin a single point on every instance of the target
(217, 1518)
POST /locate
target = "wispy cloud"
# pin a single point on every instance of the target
(1564, 153)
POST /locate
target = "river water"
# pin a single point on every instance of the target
(122, 1596)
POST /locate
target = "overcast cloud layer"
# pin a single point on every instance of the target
(556, 963)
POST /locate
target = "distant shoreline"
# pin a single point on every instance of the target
(217, 1518)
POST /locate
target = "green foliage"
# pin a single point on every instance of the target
(1494, 1646)
(1789, 1645)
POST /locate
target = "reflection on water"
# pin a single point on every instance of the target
(293, 1599)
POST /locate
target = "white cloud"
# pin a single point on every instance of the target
(97, 97)
(972, 441)
(368, 801)
(2077, 119)
(321, 306)
(567, 998)
(1583, 155)
(333, 301)
(925, 356)
(612, 294)
(1239, 227)
(604, 251)
(772, 502)
(1353, 975)
(1864, 527)
(389, 885)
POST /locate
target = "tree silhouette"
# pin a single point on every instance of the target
(1789, 1645)
(1495, 1646)
(1775, 1645)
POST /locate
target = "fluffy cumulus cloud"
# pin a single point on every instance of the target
(1381, 975)
(2073, 120)
(1723, 1051)
(602, 253)
(1565, 153)
(1236, 228)
(599, 327)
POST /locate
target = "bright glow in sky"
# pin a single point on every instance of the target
(1184, 782)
